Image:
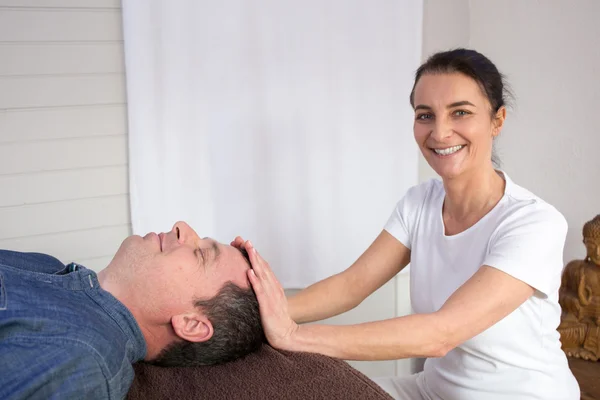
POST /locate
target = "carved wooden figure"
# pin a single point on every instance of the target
(579, 298)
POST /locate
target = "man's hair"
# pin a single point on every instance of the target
(238, 331)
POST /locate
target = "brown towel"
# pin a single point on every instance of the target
(266, 374)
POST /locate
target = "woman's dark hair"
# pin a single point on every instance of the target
(474, 65)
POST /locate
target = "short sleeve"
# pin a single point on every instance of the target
(401, 224)
(529, 246)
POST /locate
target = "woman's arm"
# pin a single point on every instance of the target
(384, 258)
(487, 297)
(342, 292)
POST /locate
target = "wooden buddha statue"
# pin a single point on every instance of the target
(579, 298)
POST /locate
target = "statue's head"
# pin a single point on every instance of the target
(591, 239)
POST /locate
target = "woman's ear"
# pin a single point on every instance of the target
(498, 121)
(193, 327)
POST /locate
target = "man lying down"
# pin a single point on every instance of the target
(172, 299)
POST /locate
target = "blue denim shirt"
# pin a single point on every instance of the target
(61, 335)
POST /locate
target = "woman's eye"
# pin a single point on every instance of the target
(461, 113)
(424, 116)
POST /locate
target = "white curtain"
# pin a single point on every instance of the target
(286, 122)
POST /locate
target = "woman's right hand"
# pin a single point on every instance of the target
(239, 243)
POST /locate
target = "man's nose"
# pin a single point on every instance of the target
(185, 233)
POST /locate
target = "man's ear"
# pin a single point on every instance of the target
(193, 327)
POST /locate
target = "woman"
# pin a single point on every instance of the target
(485, 255)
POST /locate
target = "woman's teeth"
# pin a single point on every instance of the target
(449, 150)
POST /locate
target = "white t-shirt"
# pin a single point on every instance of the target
(519, 357)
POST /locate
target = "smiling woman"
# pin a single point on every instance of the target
(485, 256)
(485, 75)
(454, 96)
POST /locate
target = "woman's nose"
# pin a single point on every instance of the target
(441, 131)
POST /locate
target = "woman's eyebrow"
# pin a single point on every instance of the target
(452, 105)
(422, 107)
(460, 103)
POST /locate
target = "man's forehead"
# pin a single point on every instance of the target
(237, 265)
(244, 254)
(228, 251)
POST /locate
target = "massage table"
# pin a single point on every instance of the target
(265, 374)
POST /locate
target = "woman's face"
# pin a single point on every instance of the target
(453, 124)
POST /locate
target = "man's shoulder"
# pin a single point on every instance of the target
(34, 262)
(62, 321)
(65, 367)
(59, 349)
(58, 368)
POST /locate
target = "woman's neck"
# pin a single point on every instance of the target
(470, 197)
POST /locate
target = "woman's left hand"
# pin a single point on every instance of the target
(277, 323)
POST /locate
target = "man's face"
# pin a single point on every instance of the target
(171, 270)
